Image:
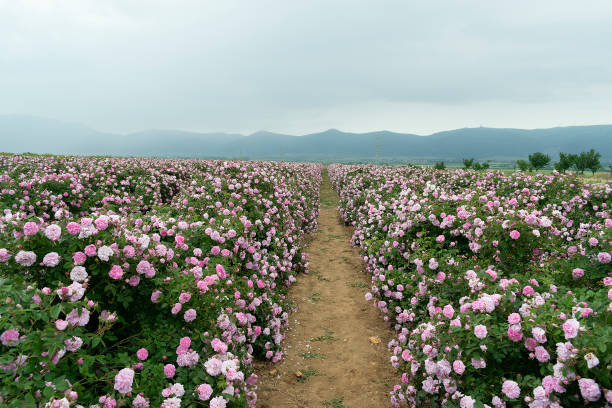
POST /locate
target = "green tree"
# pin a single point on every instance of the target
(566, 161)
(439, 165)
(523, 165)
(539, 160)
(477, 166)
(486, 165)
(593, 161)
(468, 163)
(588, 160)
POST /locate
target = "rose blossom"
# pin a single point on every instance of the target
(123, 380)
(511, 389)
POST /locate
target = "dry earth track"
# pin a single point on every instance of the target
(335, 351)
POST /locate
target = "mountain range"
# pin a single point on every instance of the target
(21, 133)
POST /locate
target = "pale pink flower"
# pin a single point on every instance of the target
(511, 389)
(541, 354)
(467, 402)
(480, 331)
(123, 380)
(591, 359)
(176, 308)
(79, 258)
(73, 344)
(61, 324)
(514, 318)
(218, 402)
(73, 228)
(142, 354)
(213, 366)
(25, 258)
(204, 392)
(9, 337)
(51, 260)
(218, 346)
(53, 232)
(458, 367)
(5, 255)
(169, 370)
(177, 389)
(116, 272)
(190, 315)
(577, 273)
(570, 328)
(589, 389)
(604, 257)
(78, 274)
(140, 402)
(30, 228)
(539, 334)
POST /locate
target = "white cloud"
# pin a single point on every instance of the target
(303, 66)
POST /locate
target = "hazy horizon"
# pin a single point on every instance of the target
(73, 123)
(299, 68)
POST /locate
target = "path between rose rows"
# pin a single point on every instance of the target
(335, 351)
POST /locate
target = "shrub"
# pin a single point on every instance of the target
(498, 286)
(142, 282)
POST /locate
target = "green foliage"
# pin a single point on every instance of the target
(523, 165)
(566, 161)
(481, 166)
(588, 160)
(439, 165)
(539, 160)
(468, 163)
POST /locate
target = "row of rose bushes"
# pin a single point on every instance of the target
(499, 286)
(142, 282)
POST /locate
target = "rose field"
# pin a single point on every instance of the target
(138, 282)
(132, 282)
(498, 287)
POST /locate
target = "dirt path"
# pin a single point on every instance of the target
(330, 359)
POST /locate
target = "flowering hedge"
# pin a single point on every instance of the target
(141, 282)
(499, 286)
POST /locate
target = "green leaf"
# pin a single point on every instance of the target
(55, 310)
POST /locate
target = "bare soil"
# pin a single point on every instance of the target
(335, 350)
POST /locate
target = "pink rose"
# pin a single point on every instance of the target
(123, 380)
(511, 389)
(458, 367)
(204, 392)
(577, 273)
(514, 318)
(480, 331)
(116, 272)
(30, 228)
(169, 370)
(190, 315)
(142, 354)
(73, 228)
(448, 311)
(570, 328)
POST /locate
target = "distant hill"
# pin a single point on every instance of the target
(21, 133)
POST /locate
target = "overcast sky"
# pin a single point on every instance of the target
(304, 66)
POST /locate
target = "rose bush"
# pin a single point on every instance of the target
(499, 286)
(142, 282)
